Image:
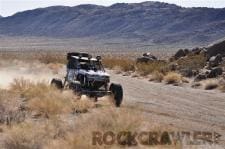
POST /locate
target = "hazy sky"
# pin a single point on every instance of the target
(9, 7)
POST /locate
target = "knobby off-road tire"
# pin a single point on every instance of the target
(117, 93)
(57, 83)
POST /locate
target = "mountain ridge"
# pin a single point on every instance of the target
(153, 22)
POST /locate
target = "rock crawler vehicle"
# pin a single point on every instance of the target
(87, 76)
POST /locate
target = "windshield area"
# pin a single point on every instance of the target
(85, 64)
(90, 65)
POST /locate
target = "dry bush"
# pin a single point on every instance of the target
(57, 102)
(221, 83)
(173, 78)
(50, 103)
(34, 135)
(112, 119)
(222, 88)
(10, 108)
(82, 106)
(3, 95)
(211, 84)
(192, 62)
(24, 136)
(123, 63)
(47, 100)
(3, 98)
(148, 68)
(20, 85)
(156, 76)
(107, 119)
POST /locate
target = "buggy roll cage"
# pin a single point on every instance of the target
(85, 56)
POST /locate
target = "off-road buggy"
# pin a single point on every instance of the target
(86, 76)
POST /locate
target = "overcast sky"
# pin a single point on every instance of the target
(9, 7)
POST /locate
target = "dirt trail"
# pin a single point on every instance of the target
(185, 108)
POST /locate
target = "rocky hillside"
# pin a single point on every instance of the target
(152, 22)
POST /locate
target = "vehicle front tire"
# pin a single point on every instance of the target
(57, 83)
(117, 92)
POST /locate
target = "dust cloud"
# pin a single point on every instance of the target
(34, 71)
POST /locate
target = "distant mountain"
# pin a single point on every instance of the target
(153, 22)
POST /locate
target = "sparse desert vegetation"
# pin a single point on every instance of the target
(46, 100)
(148, 68)
(36, 115)
(51, 119)
(172, 78)
(123, 64)
(222, 85)
(192, 62)
(156, 76)
(211, 84)
(157, 90)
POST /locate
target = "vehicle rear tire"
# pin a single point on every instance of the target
(117, 92)
(57, 83)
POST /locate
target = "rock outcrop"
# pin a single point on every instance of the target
(147, 57)
(218, 48)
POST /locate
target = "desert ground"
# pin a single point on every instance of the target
(34, 115)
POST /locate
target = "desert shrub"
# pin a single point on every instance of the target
(105, 120)
(9, 108)
(109, 119)
(24, 136)
(56, 102)
(222, 86)
(173, 78)
(20, 85)
(2, 108)
(123, 63)
(82, 106)
(47, 100)
(34, 135)
(192, 62)
(211, 84)
(148, 68)
(156, 76)
(2, 96)
(50, 103)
